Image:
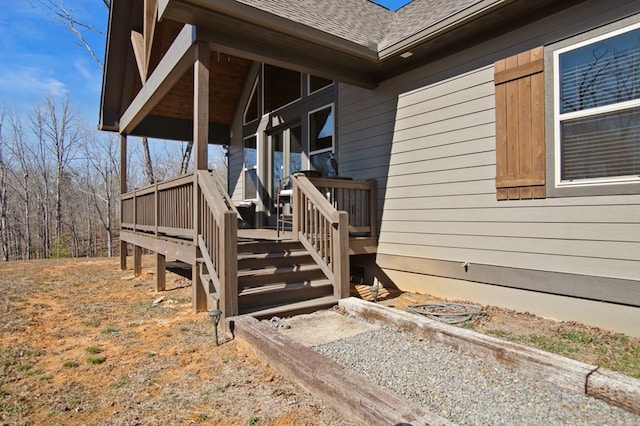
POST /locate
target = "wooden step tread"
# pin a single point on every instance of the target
(274, 270)
(285, 254)
(293, 308)
(281, 286)
(269, 246)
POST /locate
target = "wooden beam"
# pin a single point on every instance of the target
(363, 245)
(229, 273)
(137, 260)
(137, 42)
(263, 51)
(177, 60)
(123, 164)
(176, 250)
(161, 272)
(358, 398)
(123, 190)
(561, 371)
(340, 260)
(150, 13)
(155, 126)
(123, 255)
(200, 142)
(198, 293)
(201, 105)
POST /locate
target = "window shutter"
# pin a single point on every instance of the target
(520, 135)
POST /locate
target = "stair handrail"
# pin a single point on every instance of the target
(323, 231)
(223, 192)
(217, 241)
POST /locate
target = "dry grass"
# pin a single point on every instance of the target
(82, 343)
(592, 345)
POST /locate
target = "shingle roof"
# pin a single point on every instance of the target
(422, 14)
(362, 21)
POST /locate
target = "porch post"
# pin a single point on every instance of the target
(161, 272)
(123, 190)
(137, 261)
(200, 160)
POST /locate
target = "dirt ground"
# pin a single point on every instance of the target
(82, 342)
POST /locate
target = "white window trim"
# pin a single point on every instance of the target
(246, 108)
(333, 124)
(287, 105)
(309, 92)
(245, 169)
(559, 117)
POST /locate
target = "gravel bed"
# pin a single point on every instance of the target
(465, 389)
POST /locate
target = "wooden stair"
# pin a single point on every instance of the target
(279, 278)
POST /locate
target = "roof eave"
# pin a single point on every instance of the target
(115, 64)
(443, 26)
(175, 9)
(240, 30)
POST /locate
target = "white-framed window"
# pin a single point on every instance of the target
(322, 140)
(315, 84)
(252, 110)
(250, 167)
(597, 110)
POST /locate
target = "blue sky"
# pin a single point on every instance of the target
(40, 58)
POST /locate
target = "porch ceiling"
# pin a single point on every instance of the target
(240, 34)
(172, 116)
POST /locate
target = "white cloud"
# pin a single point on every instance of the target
(27, 82)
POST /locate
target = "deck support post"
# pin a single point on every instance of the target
(341, 284)
(200, 160)
(373, 207)
(123, 190)
(229, 275)
(198, 293)
(161, 272)
(123, 255)
(137, 261)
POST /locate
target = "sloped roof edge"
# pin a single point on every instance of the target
(395, 43)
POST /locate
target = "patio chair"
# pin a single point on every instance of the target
(284, 200)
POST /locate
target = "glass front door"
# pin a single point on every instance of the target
(286, 155)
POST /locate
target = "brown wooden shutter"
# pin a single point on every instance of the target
(520, 135)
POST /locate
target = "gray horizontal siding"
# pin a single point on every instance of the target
(433, 152)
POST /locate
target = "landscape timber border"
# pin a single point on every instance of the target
(361, 399)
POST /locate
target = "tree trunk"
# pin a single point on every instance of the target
(186, 158)
(27, 216)
(148, 166)
(4, 242)
(109, 227)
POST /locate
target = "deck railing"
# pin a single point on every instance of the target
(358, 198)
(217, 241)
(324, 231)
(164, 208)
(325, 213)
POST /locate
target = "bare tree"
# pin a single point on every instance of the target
(64, 15)
(186, 158)
(102, 183)
(42, 170)
(21, 154)
(63, 134)
(4, 235)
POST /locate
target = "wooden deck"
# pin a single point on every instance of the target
(191, 219)
(357, 245)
